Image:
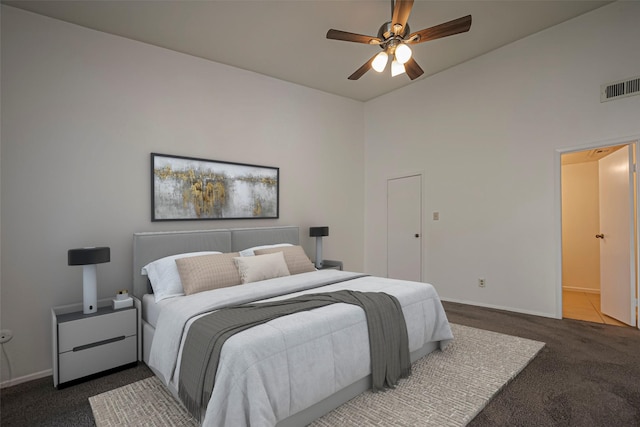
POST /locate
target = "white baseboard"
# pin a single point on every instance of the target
(499, 307)
(26, 378)
(577, 289)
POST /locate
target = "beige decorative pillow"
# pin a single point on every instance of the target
(206, 272)
(261, 267)
(164, 277)
(297, 260)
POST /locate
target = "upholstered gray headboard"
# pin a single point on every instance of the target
(150, 246)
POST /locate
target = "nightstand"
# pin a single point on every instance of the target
(327, 264)
(88, 344)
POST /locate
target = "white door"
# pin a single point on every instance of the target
(617, 267)
(404, 228)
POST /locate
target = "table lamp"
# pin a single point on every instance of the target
(318, 233)
(88, 258)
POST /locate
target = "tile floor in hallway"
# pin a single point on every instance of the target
(585, 306)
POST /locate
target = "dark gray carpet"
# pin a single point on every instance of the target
(38, 403)
(587, 375)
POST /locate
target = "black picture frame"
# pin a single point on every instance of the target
(191, 189)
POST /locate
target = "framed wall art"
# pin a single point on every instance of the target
(187, 188)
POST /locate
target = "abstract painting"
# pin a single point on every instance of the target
(186, 188)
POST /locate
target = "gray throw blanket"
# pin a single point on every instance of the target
(388, 340)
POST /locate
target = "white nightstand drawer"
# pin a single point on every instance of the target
(78, 364)
(89, 330)
(87, 344)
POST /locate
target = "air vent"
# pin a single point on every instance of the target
(620, 89)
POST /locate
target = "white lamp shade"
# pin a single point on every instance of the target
(380, 62)
(403, 53)
(396, 68)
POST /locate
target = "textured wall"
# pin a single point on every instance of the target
(486, 135)
(82, 110)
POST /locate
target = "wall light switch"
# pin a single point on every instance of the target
(436, 216)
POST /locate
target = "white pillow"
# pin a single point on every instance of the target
(249, 251)
(261, 267)
(164, 277)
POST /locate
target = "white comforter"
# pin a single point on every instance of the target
(275, 370)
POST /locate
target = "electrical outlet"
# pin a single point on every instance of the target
(5, 336)
(481, 283)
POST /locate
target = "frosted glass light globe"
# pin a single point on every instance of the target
(403, 53)
(396, 68)
(380, 62)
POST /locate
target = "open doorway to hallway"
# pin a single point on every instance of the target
(599, 265)
(585, 306)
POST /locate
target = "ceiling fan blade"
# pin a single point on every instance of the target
(450, 28)
(351, 37)
(412, 69)
(401, 12)
(360, 71)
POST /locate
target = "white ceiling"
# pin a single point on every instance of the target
(286, 39)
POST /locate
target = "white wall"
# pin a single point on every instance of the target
(485, 135)
(82, 110)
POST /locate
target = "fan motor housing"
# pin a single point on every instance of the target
(385, 32)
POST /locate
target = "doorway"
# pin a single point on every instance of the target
(404, 228)
(599, 269)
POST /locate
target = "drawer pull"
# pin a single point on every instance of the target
(98, 343)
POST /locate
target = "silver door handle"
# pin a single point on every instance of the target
(599, 236)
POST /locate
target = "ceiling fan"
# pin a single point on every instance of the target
(394, 37)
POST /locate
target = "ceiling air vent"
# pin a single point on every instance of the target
(620, 89)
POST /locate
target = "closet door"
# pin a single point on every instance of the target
(404, 228)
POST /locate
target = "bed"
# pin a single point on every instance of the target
(290, 370)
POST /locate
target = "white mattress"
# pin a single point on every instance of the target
(151, 309)
(262, 384)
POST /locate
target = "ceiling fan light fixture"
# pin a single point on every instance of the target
(397, 68)
(403, 53)
(395, 36)
(380, 62)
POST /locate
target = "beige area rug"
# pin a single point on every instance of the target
(446, 388)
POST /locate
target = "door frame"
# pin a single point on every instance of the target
(633, 140)
(422, 211)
